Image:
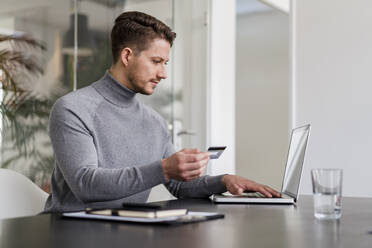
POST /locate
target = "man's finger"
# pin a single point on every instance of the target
(262, 190)
(195, 173)
(236, 190)
(272, 191)
(195, 151)
(192, 166)
(190, 158)
(191, 151)
(196, 165)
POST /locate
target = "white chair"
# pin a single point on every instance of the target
(19, 196)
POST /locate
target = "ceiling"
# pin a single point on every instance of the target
(55, 13)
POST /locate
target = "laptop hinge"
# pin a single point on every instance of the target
(290, 195)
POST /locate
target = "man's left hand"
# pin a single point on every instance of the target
(236, 185)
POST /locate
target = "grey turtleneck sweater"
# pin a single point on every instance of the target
(108, 148)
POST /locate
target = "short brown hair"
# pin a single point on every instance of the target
(136, 30)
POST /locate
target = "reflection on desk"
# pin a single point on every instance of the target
(243, 226)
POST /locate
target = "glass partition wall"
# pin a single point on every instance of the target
(75, 51)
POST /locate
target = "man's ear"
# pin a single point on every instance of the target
(126, 55)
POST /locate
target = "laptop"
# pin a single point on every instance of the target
(291, 179)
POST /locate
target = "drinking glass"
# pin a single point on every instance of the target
(327, 189)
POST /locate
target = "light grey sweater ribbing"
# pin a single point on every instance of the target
(108, 148)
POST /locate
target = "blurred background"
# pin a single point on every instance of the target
(69, 31)
(73, 50)
(195, 99)
(242, 74)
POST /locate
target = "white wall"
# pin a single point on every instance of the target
(332, 75)
(262, 92)
(191, 68)
(221, 85)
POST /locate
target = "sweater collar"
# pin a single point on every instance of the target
(114, 92)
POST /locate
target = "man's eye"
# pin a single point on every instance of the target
(156, 61)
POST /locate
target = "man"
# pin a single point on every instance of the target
(109, 148)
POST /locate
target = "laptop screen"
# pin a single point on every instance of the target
(295, 160)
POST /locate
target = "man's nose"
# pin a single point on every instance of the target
(162, 73)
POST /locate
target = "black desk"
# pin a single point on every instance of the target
(243, 226)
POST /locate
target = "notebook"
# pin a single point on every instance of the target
(148, 213)
(291, 179)
(190, 217)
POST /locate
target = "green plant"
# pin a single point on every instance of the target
(16, 58)
(24, 113)
(25, 144)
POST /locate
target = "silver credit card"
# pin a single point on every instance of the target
(215, 151)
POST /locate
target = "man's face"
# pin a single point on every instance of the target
(146, 69)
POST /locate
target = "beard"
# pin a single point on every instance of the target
(136, 85)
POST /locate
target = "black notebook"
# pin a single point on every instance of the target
(157, 213)
(190, 217)
(140, 212)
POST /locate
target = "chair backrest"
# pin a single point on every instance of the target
(19, 196)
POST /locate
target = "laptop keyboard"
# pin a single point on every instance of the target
(247, 195)
(254, 195)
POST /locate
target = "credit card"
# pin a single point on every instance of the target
(215, 151)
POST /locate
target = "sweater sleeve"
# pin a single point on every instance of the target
(202, 187)
(76, 157)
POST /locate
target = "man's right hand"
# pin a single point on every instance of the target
(185, 165)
